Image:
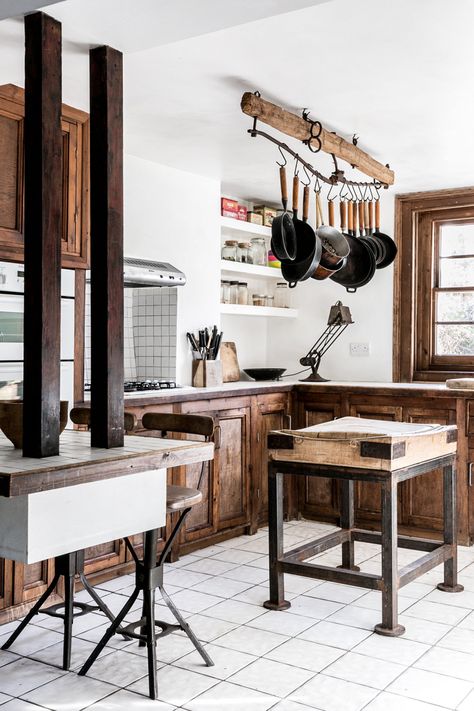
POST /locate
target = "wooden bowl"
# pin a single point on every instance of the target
(11, 420)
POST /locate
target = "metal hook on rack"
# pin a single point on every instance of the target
(297, 160)
(308, 177)
(282, 165)
(317, 185)
(329, 198)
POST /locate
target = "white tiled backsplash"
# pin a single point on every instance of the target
(149, 333)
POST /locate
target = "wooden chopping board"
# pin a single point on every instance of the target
(230, 363)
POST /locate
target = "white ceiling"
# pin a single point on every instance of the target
(399, 74)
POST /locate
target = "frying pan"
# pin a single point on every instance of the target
(363, 232)
(380, 252)
(360, 264)
(308, 244)
(283, 240)
(329, 262)
(390, 246)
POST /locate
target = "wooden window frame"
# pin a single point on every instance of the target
(417, 215)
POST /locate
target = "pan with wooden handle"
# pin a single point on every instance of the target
(283, 240)
(389, 244)
(360, 263)
(308, 244)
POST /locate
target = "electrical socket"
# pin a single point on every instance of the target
(360, 350)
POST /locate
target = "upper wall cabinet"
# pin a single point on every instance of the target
(75, 224)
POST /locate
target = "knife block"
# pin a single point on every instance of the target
(207, 373)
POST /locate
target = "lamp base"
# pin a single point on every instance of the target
(314, 378)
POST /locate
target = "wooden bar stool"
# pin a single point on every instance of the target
(149, 571)
(68, 566)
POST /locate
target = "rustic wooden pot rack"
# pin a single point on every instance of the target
(302, 128)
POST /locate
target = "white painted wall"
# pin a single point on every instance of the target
(173, 216)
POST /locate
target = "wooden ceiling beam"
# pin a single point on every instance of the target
(297, 127)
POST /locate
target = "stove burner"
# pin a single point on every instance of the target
(131, 386)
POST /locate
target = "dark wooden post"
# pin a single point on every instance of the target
(106, 198)
(43, 203)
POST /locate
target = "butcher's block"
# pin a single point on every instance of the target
(363, 443)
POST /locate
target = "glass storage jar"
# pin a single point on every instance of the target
(259, 299)
(282, 295)
(234, 292)
(242, 293)
(243, 253)
(259, 251)
(229, 250)
(270, 300)
(225, 292)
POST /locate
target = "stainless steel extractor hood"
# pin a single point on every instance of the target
(144, 272)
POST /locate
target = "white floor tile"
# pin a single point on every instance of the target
(365, 670)
(461, 599)
(416, 590)
(25, 675)
(32, 639)
(258, 594)
(334, 635)
(230, 697)
(96, 633)
(207, 629)
(210, 566)
(393, 702)
(448, 661)
(330, 694)
(301, 585)
(58, 694)
(436, 612)
(287, 705)
(392, 649)
(176, 686)
(425, 631)
(222, 587)
(184, 578)
(468, 703)
(168, 650)
(430, 687)
(260, 545)
(261, 562)
(128, 701)
(313, 607)
(356, 617)
(247, 574)
(282, 623)
(115, 584)
(119, 668)
(226, 661)
(460, 639)
(20, 705)
(6, 657)
(80, 650)
(80, 624)
(4, 698)
(272, 677)
(337, 592)
(250, 640)
(194, 601)
(305, 655)
(234, 611)
(237, 556)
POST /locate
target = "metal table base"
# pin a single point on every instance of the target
(391, 578)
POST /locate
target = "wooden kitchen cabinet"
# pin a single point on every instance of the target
(75, 208)
(269, 412)
(318, 497)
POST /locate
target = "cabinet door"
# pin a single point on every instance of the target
(319, 497)
(232, 463)
(104, 556)
(367, 494)
(31, 581)
(423, 496)
(75, 203)
(269, 412)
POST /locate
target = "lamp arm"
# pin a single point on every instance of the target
(338, 332)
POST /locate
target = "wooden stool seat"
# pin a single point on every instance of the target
(181, 497)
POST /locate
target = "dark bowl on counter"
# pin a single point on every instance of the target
(264, 373)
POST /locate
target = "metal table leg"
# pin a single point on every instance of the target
(389, 625)
(347, 522)
(450, 583)
(275, 537)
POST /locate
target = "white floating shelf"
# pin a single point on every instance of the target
(239, 310)
(248, 227)
(250, 270)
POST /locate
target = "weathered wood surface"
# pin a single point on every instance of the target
(43, 208)
(78, 464)
(297, 127)
(106, 142)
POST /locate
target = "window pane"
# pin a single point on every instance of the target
(456, 272)
(11, 327)
(455, 306)
(456, 239)
(455, 340)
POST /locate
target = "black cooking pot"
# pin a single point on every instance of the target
(360, 263)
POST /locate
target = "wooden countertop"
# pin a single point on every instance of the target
(78, 463)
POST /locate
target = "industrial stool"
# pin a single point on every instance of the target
(67, 566)
(149, 571)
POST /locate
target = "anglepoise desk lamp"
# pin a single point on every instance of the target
(339, 319)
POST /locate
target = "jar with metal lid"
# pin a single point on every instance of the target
(229, 250)
(242, 293)
(259, 251)
(234, 292)
(269, 300)
(244, 253)
(259, 299)
(225, 292)
(282, 295)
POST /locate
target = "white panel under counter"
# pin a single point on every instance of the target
(38, 526)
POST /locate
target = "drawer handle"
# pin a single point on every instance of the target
(469, 474)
